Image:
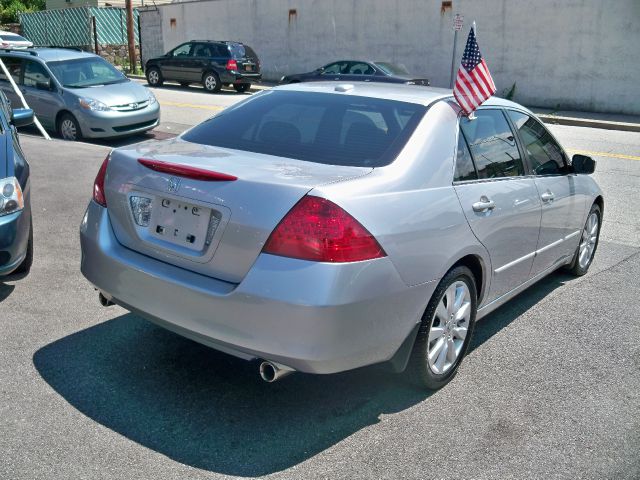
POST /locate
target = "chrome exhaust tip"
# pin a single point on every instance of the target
(104, 301)
(271, 372)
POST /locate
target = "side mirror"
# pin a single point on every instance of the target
(44, 85)
(21, 117)
(320, 70)
(583, 164)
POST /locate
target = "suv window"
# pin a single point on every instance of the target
(492, 144)
(545, 155)
(315, 127)
(465, 170)
(182, 50)
(204, 50)
(14, 65)
(34, 73)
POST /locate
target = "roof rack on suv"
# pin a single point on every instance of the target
(77, 49)
(20, 50)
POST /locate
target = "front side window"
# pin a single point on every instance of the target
(492, 145)
(34, 74)
(545, 155)
(465, 170)
(315, 127)
(182, 50)
(85, 72)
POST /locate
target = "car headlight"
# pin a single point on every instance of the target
(152, 98)
(95, 105)
(11, 199)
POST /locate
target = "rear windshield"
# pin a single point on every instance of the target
(324, 128)
(392, 69)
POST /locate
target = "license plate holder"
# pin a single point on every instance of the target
(248, 67)
(180, 223)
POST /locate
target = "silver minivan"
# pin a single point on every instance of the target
(78, 94)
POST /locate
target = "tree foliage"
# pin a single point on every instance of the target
(10, 9)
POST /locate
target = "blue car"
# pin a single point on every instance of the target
(16, 231)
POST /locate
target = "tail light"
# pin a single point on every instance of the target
(98, 184)
(232, 65)
(186, 171)
(318, 230)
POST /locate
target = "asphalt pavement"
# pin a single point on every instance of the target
(550, 389)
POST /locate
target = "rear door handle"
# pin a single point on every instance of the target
(485, 204)
(547, 196)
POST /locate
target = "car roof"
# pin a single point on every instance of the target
(391, 91)
(48, 54)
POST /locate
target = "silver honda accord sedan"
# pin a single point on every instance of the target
(323, 227)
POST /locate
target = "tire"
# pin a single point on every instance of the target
(447, 332)
(242, 87)
(154, 77)
(211, 82)
(25, 267)
(69, 128)
(588, 245)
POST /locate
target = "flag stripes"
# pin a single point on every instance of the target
(473, 82)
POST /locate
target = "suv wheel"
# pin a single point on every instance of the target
(242, 87)
(154, 77)
(211, 82)
(68, 128)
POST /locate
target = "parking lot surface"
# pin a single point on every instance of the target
(550, 389)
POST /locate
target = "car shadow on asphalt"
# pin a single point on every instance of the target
(210, 411)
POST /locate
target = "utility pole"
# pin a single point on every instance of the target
(131, 36)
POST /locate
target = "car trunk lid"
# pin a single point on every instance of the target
(214, 226)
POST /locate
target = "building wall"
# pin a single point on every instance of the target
(569, 54)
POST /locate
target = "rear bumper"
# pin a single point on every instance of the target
(312, 317)
(238, 77)
(114, 124)
(14, 238)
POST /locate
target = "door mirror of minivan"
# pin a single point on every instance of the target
(45, 85)
(583, 164)
(21, 117)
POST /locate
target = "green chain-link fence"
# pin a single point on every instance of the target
(73, 27)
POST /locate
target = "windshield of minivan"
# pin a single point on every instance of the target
(315, 127)
(85, 72)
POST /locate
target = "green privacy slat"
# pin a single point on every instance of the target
(72, 26)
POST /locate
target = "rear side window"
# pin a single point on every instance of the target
(545, 155)
(316, 127)
(492, 144)
(14, 65)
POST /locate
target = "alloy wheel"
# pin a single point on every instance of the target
(210, 82)
(449, 328)
(589, 240)
(153, 77)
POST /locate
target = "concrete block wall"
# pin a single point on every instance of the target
(566, 54)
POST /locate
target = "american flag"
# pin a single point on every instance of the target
(473, 83)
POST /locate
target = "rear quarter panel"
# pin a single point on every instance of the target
(411, 207)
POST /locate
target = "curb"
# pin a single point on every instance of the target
(584, 122)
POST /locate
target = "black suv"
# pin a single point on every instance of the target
(210, 62)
